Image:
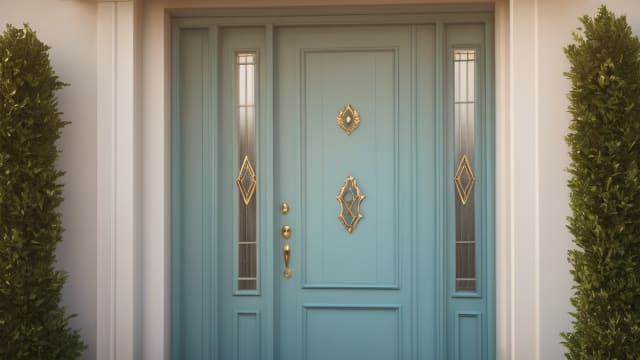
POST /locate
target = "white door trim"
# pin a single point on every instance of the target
(118, 204)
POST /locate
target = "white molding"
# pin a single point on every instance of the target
(523, 199)
(106, 184)
(116, 209)
(503, 181)
(156, 193)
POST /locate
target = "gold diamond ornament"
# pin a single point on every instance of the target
(350, 197)
(464, 172)
(246, 181)
(348, 119)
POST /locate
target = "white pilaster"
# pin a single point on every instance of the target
(524, 209)
(117, 318)
(503, 183)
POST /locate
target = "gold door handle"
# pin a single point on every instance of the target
(286, 250)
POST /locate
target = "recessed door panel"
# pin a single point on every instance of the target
(365, 79)
(345, 332)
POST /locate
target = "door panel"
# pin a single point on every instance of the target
(345, 332)
(242, 332)
(347, 289)
(466, 110)
(368, 256)
(189, 300)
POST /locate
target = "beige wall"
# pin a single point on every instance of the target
(69, 27)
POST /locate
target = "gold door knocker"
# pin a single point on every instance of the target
(350, 197)
(348, 119)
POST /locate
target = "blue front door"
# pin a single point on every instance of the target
(333, 190)
(350, 292)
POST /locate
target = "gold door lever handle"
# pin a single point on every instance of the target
(286, 250)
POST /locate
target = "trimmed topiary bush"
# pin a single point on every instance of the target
(33, 325)
(604, 141)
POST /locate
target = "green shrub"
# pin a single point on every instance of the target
(33, 325)
(604, 141)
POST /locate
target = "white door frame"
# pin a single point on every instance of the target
(133, 44)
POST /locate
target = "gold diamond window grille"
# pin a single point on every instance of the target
(464, 172)
(246, 181)
(350, 197)
(348, 119)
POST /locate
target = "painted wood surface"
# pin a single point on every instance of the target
(385, 291)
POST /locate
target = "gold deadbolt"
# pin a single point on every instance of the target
(286, 231)
(284, 208)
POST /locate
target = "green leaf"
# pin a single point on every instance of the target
(34, 325)
(604, 189)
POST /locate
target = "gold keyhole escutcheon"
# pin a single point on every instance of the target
(286, 232)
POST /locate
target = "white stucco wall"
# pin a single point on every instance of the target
(539, 30)
(69, 27)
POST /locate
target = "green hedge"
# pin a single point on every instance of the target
(33, 325)
(604, 141)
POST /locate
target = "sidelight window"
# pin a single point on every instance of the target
(464, 177)
(246, 180)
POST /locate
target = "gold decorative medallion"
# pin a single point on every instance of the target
(246, 181)
(348, 119)
(350, 199)
(464, 172)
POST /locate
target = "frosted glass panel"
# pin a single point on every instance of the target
(464, 62)
(247, 177)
